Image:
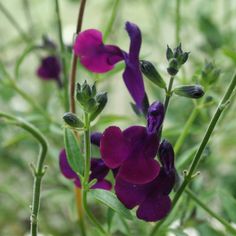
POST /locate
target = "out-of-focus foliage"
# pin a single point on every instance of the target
(207, 31)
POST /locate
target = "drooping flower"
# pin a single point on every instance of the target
(50, 69)
(99, 58)
(152, 198)
(98, 171)
(132, 151)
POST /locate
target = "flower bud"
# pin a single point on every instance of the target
(155, 117)
(169, 53)
(166, 156)
(190, 91)
(101, 99)
(210, 73)
(72, 120)
(184, 57)
(152, 74)
(173, 67)
(95, 138)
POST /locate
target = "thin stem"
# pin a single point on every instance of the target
(177, 22)
(28, 16)
(224, 102)
(63, 56)
(74, 58)
(14, 23)
(38, 171)
(111, 21)
(168, 93)
(209, 211)
(87, 172)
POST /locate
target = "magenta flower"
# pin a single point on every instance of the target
(50, 69)
(152, 198)
(100, 58)
(98, 171)
(132, 151)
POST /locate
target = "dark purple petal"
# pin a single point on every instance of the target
(98, 169)
(65, 167)
(166, 156)
(155, 117)
(77, 182)
(113, 147)
(139, 169)
(93, 54)
(95, 138)
(49, 69)
(155, 207)
(129, 194)
(132, 75)
(141, 141)
(103, 184)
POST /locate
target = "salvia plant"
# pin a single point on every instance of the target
(136, 172)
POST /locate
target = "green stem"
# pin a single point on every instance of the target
(14, 23)
(225, 100)
(63, 56)
(168, 93)
(38, 171)
(87, 173)
(111, 21)
(210, 212)
(177, 22)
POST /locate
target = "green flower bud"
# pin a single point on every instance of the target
(169, 53)
(101, 99)
(184, 57)
(152, 74)
(190, 91)
(173, 67)
(72, 120)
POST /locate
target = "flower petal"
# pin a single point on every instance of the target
(95, 138)
(132, 75)
(65, 167)
(113, 147)
(93, 54)
(98, 169)
(155, 207)
(129, 194)
(102, 184)
(138, 169)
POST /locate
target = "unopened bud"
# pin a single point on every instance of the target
(152, 74)
(72, 120)
(190, 91)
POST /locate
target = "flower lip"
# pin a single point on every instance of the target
(132, 151)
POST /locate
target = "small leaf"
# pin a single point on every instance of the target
(74, 156)
(108, 198)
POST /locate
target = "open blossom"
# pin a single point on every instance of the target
(98, 57)
(98, 171)
(152, 198)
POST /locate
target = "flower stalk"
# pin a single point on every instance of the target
(189, 175)
(38, 170)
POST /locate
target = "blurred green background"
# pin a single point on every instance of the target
(207, 30)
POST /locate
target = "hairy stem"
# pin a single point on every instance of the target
(168, 93)
(188, 178)
(38, 170)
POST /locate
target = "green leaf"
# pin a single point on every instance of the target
(108, 198)
(74, 156)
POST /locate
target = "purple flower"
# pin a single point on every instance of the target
(98, 171)
(50, 69)
(95, 138)
(155, 117)
(100, 58)
(152, 198)
(132, 151)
